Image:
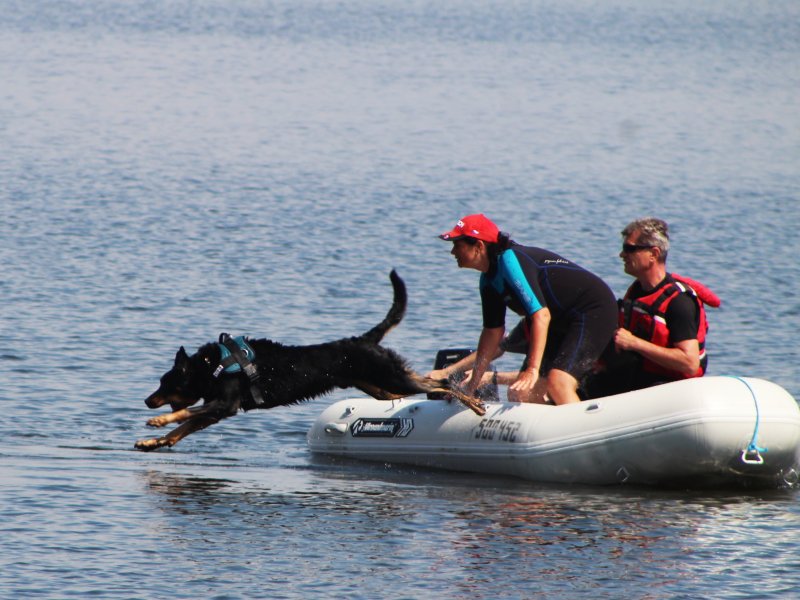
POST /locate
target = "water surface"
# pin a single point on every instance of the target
(173, 170)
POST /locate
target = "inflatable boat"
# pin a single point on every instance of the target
(706, 432)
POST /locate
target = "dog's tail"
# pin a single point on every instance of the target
(395, 314)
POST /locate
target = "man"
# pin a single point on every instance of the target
(662, 318)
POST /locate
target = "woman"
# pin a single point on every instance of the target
(570, 313)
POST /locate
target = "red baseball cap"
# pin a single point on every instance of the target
(474, 226)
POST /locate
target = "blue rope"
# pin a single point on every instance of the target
(753, 447)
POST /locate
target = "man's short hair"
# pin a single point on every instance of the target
(652, 232)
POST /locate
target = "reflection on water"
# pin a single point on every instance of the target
(478, 534)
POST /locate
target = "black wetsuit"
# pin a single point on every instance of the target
(583, 309)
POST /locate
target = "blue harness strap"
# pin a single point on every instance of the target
(228, 362)
(236, 356)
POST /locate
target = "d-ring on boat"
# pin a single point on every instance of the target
(704, 432)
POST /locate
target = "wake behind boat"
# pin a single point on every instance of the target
(703, 432)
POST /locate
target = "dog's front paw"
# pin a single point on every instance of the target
(158, 421)
(151, 444)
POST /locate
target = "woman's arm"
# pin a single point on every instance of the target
(487, 348)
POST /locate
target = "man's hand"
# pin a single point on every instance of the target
(625, 340)
(526, 380)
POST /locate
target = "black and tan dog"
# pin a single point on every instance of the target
(248, 374)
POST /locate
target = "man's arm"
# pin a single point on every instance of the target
(682, 321)
(683, 357)
(540, 324)
(462, 365)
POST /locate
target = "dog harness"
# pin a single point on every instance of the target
(237, 356)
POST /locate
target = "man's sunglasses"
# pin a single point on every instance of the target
(631, 248)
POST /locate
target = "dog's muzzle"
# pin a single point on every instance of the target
(157, 400)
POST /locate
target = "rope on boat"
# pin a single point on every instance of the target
(752, 454)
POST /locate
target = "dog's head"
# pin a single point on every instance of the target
(184, 384)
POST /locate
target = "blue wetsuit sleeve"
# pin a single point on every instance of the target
(523, 283)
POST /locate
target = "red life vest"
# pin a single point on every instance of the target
(645, 317)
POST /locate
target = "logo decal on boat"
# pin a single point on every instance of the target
(381, 427)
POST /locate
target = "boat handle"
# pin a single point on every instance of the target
(336, 428)
(756, 459)
(593, 407)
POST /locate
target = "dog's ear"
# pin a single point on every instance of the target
(181, 356)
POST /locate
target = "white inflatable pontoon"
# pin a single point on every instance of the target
(710, 431)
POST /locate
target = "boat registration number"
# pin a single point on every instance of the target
(497, 429)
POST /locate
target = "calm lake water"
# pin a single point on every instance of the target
(171, 170)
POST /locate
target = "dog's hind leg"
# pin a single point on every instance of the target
(176, 435)
(424, 385)
(473, 404)
(443, 386)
